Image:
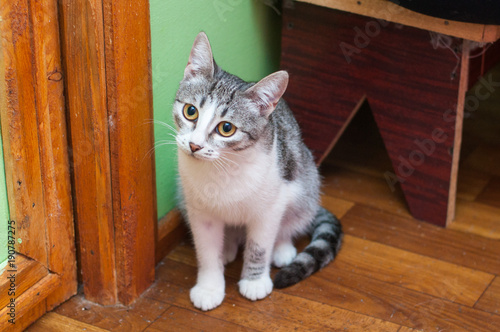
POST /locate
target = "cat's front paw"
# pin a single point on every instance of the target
(230, 253)
(206, 298)
(256, 289)
(284, 254)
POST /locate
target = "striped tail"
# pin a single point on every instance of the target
(326, 241)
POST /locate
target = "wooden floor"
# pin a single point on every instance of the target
(394, 273)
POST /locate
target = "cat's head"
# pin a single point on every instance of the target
(218, 113)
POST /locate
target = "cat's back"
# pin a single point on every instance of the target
(293, 155)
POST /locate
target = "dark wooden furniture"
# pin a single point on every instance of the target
(413, 78)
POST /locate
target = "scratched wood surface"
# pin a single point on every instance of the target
(84, 64)
(29, 272)
(109, 103)
(36, 157)
(130, 108)
(53, 148)
(58, 323)
(20, 132)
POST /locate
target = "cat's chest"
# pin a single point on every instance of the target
(237, 185)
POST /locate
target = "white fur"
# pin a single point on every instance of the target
(231, 195)
(248, 191)
(206, 121)
(240, 187)
(256, 289)
(284, 253)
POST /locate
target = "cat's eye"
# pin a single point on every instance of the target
(190, 112)
(225, 129)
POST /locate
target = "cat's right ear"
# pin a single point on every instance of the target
(201, 61)
(268, 91)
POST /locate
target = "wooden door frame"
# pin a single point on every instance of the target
(32, 115)
(107, 60)
(84, 65)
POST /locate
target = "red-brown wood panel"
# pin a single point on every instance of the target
(336, 58)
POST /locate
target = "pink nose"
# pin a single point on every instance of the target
(195, 147)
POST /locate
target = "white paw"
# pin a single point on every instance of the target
(206, 298)
(230, 253)
(256, 289)
(284, 254)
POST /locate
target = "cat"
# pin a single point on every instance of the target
(246, 178)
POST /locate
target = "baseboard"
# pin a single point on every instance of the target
(171, 231)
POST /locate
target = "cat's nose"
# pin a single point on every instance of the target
(194, 147)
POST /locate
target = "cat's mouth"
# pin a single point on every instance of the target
(202, 156)
(197, 156)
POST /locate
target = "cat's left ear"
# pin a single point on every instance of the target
(267, 92)
(201, 61)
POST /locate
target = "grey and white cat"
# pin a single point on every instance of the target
(247, 179)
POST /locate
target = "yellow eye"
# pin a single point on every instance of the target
(190, 112)
(226, 129)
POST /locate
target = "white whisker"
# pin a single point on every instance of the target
(230, 160)
(216, 167)
(157, 145)
(164, 142)
(222, 165)
(149, 153)
(164, 124)
(229, 152)
(225, 166)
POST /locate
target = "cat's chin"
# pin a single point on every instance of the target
(198, 157)
(202, 158)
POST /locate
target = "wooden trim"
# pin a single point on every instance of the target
(457, 140)
(84, 64)
(53, 149)
(106, 50)
(29, 299)
(491, 33)
(130, 108)
(386, 10)
(35, 153)
(18, 112)
(171, 231)
(35, 285)
(28, 273)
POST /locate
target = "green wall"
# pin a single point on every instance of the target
(245, 37)
(4, 211)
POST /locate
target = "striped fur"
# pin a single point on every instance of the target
(325, 244)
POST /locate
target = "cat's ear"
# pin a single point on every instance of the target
(267, 92)
(201, 61)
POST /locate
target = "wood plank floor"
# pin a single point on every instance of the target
(393, 273)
